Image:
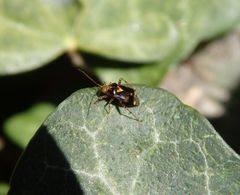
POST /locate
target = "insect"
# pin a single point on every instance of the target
(117, 94)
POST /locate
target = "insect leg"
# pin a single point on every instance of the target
(90, 104)
(120, 81)
(98, 100)
(109, 105)
(101, 98)
(134, 116)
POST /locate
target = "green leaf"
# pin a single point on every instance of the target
(137, 31)
(21, 127)
(146, 30)
(4, 188)
(149, 74)
(134, 74)
(32, 33)
(173, 150)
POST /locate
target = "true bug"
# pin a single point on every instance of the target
(117, 94)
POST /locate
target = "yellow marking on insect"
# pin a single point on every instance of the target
(119, 89)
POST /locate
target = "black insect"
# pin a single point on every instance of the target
(117, 94)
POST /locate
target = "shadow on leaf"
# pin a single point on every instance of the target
(43, 169)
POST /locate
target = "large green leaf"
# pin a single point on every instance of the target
(35, 32)
(173, 150)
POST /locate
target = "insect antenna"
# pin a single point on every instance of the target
(90, 78)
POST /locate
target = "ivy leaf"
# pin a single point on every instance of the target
(146, 30)
(33, 33)
(82, 149)
(134, 31)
